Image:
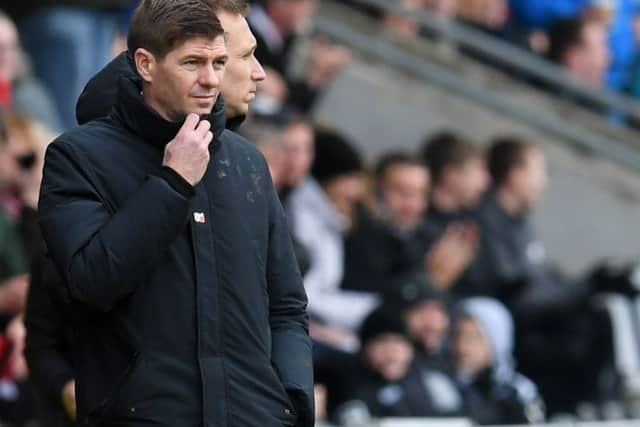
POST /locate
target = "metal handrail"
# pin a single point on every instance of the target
(384, 51)
(505, 53)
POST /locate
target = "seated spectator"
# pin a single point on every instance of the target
(18, 88)
(389, 241)
(561, 334)
(425, 312)
(459, 179)
(320, 213)
(482, 346)
(268, 139)
(392, 243)
(298, 140)
(579, 45)
(386, 379)
(276, 24)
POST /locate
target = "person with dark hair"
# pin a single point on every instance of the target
(560, 332)
(321, 212)
(389, 242)
(579, 45)
(459, 178)
(386, 378)
(141, 215)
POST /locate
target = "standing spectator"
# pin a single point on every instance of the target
(482, 345)
(18, 88)
(68, 42)
(321, 213)
(276, 24)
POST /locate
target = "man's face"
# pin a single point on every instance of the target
(389, 355)
(528, 181)
(187, 80)
(428, 323)
(345, 191)
(472, 180)
(243, 70)
(590, 59)
(471, 350)
(8, 50)
(404, 190)
(298, 143)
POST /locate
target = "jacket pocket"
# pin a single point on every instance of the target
(114, 404)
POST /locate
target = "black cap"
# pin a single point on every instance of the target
(386, 319)
(334, 156)
(414, 290)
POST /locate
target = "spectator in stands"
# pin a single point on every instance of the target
(561, 334)
(482, 347)
(459, 179)
(15, 396)
(68, 41)
(18, 89)
(276, 24)
(320, 213)
(49, 341)
(298, 139)
(391, 243)
(426, 314)
(579, 45)
(268, 138)
(386, 379)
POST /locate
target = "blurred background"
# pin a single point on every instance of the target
(462, 183)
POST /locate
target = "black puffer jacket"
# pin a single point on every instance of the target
(189, 306)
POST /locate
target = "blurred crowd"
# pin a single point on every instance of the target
(596, 41)
(430, 294)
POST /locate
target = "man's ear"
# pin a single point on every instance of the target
(145, 64)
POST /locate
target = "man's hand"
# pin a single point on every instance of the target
(16, 334)
(68, 396)
(188, 152)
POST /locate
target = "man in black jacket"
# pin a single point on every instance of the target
(193, 307)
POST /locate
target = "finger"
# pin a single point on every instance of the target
(202, 128)
(208, 138)
(190, 122)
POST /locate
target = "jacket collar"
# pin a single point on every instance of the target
(145, 122)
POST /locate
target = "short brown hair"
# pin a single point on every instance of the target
(448, 149)
(240, 7)
(160, 25)
(505, 154)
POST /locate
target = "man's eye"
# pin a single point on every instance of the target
(191, 62)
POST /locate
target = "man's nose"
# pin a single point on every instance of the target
(208, 78)
(257, 72)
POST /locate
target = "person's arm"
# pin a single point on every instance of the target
(291, 351)
(102, 254)
(47, 346)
